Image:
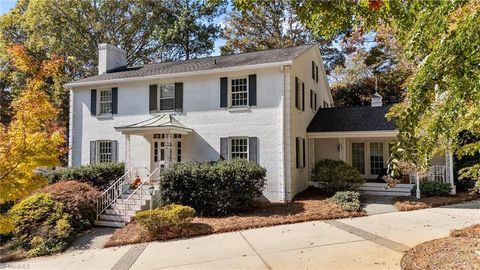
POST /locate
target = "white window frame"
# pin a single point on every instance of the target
(366, 148)
(159, 97)
(98, 153)
(247, 150)
(100, 102)
(230, 92)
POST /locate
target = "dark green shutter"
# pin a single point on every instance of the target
(223, 148)
(252, 90)
(296, 93)
(303, 96)
(93, 102)
(253, 149)
(178, 96)
(153, 98)
(316, 74)
(114, 100)
(303, 152)
(223, 92)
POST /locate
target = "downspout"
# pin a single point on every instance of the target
(286, 134)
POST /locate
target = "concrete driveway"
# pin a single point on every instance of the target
(373, 242)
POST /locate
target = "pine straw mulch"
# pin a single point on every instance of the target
(9, 254)
(410, 203)
(460, 250)
(308, 206)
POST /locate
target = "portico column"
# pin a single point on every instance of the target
(168, 149)
(127, 152)
(449, 171)
(342, 149)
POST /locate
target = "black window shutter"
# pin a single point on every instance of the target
(223, 92)
(153, 98)
(311, 98)
(252, 90)
(114, 100)
(297, 154)
(253, 149)
(316, 108)
(296, 93)
(93, 152)
(303, 96)
(114, 151)
(179, 96)
(313, 70)
(223, 148)
(303, 153)
(316, 74)
(93, 101)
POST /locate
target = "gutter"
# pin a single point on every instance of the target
(176, 75)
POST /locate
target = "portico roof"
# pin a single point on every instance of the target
(161, 122)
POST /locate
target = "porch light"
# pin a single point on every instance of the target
(151, 189)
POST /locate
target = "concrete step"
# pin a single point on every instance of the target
(107, 217)
(135, 196)
(104, 223)
(383, 189)
(386, 193)
(132, 201)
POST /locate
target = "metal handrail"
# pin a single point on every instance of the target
(125, 203)
(112, 193)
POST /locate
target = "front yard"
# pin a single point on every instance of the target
(411, 203)
(308, 206)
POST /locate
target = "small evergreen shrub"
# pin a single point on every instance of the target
(42, 226)
(431, 189)
(347, 200)
(212, 188)
(336, 175)
(170, 217)
(79, 200)
(97, 175)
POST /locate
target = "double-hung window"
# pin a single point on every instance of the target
(166, 100)
(376, 158)
(105, 101)
(239, 148)
(358, 157)
(239, 92)
(104, 151)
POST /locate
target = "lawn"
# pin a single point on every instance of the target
(411, 203)
(308, 206)
(460, 250)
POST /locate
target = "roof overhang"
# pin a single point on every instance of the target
(150, 130)
(162, 123)
(352, 134)
(180, 74)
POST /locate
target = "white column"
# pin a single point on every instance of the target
(417, 179)
(127, 152)
(449, 171)
(342, 149)
(168, 149)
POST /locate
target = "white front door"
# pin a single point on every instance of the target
(164, 154)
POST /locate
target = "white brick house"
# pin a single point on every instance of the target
(253, 105)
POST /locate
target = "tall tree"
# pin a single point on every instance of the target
(270, 25)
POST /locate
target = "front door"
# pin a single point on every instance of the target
(164, 154)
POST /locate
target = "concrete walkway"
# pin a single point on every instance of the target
(373, 242)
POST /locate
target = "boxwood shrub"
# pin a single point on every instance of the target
(212, 188)
(433, 188)
(347, 200)
(336, 175)
(97, 175)
(168, 218)
(41, 225)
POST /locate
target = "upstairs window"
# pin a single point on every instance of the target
(239, 92)
(239, 148)
(105, 101)
(314, 71)
(166, 101)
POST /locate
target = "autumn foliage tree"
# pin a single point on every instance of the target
(33, 139)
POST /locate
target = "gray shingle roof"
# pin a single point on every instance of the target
(199, 64)
(365, 118)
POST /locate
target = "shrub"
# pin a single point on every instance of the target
(79, 200)
(431, 189)
(212, 188)
(347, 200)
(170, 217)
(336, 175)
(41, 225)
(97, 175)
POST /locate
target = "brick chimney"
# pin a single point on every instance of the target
(110, 58)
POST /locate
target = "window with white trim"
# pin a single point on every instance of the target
(104, 151)
(376, 158)
(239, 92)
(105, 101)
(358, 157)
(166, 97)
(238, 148)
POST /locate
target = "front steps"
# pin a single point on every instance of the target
(379, 189)
(116, 216)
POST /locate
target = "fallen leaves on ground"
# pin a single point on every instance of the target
(409, 204)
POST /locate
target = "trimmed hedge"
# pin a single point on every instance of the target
(432, 189)
(97, 175)
(212, 188)
(347, 200)
(42, 226)
(336, 175)
(79, 200)
(170, 217)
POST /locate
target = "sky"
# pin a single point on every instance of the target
(6, 5)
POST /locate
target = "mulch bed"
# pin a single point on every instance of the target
(409, 203)
(8, 254)
(460, 250)
(308, 206)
